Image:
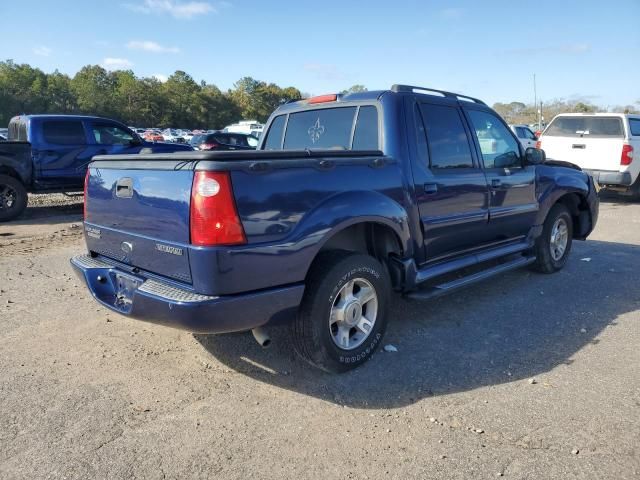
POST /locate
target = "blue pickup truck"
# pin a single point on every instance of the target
(50, 153)
(347, 199)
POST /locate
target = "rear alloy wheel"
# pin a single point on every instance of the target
(342, 317)
(13, 198)
(553, 246)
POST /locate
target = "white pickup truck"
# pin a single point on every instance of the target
(602, 144)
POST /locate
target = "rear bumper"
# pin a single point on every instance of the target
(164, 303)
(605, 178)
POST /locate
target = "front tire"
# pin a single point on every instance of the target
(553, 246)
(343, 314)
(13, 198)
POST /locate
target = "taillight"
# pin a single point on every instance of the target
(214, 219)
(84, 203)
(539, 145)
(208, 146)
(627, 155)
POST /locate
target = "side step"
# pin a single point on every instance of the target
(448, 287)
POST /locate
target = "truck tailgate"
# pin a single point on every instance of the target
(140, 217)
(587, 153)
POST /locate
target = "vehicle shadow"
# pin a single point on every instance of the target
(49, 214)
(512, 327)
(613, 198)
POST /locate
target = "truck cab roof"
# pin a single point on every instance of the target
(375, 95)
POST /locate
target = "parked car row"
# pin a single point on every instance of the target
(175, 135)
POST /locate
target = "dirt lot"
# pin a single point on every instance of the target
(525, 376)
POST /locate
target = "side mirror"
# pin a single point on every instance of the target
(534, 156)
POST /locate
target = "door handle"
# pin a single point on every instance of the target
(430, 188)
(581, 146)
(495, 182)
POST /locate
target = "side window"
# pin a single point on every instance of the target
(366, 134)
(446, 137)
(529, 134)
(634, 125)
(111, 135)
(520, 132)
(498, 147)
(274, 136)
(63, 132)
(421, 137)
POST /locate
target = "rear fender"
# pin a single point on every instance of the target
(16, 168)
(346, 209)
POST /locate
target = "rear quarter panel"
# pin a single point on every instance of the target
(289, 214)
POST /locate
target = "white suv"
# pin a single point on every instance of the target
(602, 144)
(526, 137)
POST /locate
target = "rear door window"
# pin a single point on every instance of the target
(634, 126)
(322, 129)
(366, 133)
(63, 132)
(446, 137)
(584, 126)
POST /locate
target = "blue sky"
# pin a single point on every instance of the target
(586, 49)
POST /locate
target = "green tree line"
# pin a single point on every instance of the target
(518, 112)
(179, 102)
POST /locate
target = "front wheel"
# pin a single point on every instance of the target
(13, 198)
(343, 314)
(553, 246)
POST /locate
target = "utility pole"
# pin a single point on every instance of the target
(535, 99)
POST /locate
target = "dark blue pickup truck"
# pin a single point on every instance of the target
(347, 199)
(50, 153)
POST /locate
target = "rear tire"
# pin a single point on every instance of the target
(343, 314)
(13, 198)
(553, 246)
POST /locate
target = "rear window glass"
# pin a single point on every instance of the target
(634, 125)
(585, 126)
(322, 129)
(63, 132)
(237, 140)
(274, 137)
(366, 134)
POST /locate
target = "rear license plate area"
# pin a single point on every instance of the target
(125, 286)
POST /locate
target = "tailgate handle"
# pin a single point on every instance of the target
(124, 188)
(430, 188)
(579, 145)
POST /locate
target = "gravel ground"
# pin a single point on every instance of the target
(525, 376)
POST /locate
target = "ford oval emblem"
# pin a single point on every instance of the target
(126, 247)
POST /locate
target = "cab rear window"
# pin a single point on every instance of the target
(337, 128)
(326, 129)
(582, 126)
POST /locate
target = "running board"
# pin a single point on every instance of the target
(448, 287)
